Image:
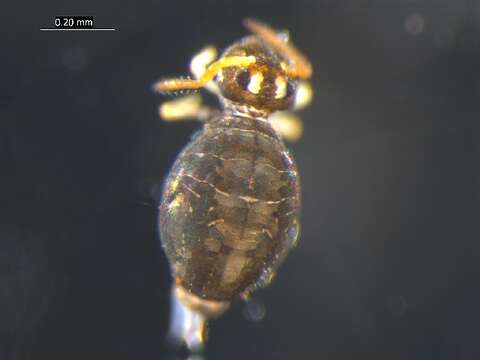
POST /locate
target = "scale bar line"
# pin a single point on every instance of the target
(96, 29)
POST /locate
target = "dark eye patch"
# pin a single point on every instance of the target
(243, 79)
(291, 86)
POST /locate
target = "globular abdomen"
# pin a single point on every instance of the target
(230, 208)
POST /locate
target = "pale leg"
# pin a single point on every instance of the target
(187, 107)
(303, 96)
(287, 125)
(200, 63)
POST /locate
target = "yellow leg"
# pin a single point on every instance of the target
(287, 125)
(187, 107)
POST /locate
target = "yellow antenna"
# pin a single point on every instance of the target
(177, 84)
(299, 66)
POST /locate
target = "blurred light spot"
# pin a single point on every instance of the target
(414, 24)
(195, 357)
(254, 310)
(445, 38)
(397, 305)
(284, 35)
(74, 58)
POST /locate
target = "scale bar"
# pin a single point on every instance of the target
(96, 29)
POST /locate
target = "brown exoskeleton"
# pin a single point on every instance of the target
(230, 208)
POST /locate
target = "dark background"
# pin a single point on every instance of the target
(387, 265)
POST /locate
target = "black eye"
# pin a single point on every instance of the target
(243, 79)
(291, 87)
